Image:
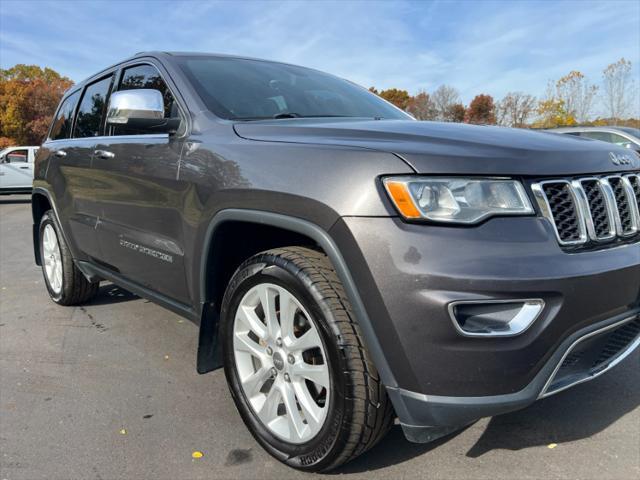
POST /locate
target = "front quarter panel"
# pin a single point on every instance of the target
(315, 183)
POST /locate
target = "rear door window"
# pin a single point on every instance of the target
(61, 127)
(91, 113)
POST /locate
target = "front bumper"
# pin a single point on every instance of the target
(408, 274)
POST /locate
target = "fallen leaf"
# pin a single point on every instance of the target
(123, 431)
(197, 454)
(552, 445)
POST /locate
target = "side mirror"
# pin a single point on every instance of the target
(140, 109)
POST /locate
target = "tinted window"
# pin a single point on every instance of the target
(602, 136)
(61, 127)
(145, 76)
(17, 156)
(619, 139)
(92, 109)
(239, 89)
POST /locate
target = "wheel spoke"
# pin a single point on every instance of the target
(310, 339)
(312, 412)
(254, 382)
(248, 315)
(268, 411)
(316, 373)
(296, 425)
(288, 308)
(268, 301)
(243, 343)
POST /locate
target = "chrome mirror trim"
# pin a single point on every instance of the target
(140, 103)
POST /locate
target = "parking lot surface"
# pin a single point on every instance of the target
(109, 391)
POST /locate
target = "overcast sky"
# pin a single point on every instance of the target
(478, 47)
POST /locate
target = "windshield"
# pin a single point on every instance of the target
(239, 89)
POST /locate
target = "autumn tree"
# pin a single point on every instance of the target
(481, 111)
(619, 89)
(552, 113)
(421, 106)
(515, 109)
(400, 98)
(577, 94)
(29, 96)
(444, 98)
(456, 113)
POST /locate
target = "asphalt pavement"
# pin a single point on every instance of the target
(109, 391)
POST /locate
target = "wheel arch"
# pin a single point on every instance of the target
(40, 204)
(209, 355)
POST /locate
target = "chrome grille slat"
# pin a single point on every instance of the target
(591, 209)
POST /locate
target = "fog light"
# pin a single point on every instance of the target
(494, 318)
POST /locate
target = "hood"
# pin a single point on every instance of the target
(453, 148)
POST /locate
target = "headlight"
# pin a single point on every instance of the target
(456, 200)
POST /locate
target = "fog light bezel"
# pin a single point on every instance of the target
(530, 311)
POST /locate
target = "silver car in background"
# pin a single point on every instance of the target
(623, 136)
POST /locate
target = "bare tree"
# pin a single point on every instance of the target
(577, 94)
(515, 109)
(619, 89)
(444, 98)
(421, 106)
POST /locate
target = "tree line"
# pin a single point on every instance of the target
(29, 96)
(569, 101)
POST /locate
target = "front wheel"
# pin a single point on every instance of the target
(65, 283)
(295, 362)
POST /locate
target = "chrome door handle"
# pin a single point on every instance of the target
(60, 153)
(104, 154)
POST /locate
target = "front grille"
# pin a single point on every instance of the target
(591, 210)
(593, 355)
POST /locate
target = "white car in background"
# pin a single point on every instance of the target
(16, 169)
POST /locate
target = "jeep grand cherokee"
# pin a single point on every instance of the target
(345, 263)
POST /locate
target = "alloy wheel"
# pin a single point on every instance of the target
(52, 258)
(281, 363)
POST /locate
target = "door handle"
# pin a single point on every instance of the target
(104, 154)
(24, 168)
(60, 153)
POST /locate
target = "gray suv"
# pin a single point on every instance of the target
(344, 263)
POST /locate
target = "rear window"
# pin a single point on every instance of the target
(240, 89)
(61, 127)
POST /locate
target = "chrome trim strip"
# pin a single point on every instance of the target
(631, 200)
(528, 314)
(616, 360)
(633, 204)
(586, 207)
(545, 207)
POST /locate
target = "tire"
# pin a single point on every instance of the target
(70, 287)
(357, 411)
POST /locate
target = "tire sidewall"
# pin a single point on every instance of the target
(315, 453)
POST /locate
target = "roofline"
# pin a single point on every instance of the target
(160, 54)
